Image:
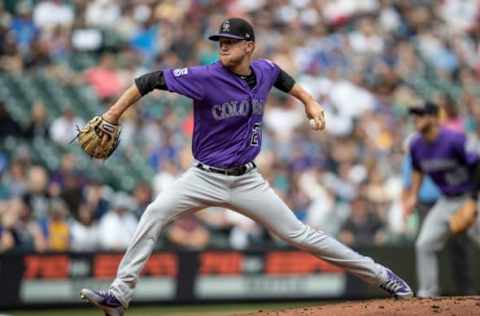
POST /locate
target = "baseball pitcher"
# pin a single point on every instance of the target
(444, 156)
(228, 101)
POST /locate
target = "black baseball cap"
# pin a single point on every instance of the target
(236, 28)
(425, 108)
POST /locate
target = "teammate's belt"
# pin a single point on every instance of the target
(455, 194)
(235, 171)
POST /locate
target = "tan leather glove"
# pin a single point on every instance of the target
(464, 217)
(99, 138)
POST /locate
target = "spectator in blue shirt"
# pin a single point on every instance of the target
(23, 28)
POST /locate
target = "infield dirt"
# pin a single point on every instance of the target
(442, 306)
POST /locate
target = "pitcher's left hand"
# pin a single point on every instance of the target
(316, 116)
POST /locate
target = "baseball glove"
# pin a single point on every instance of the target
(99, 138)
(464, 217)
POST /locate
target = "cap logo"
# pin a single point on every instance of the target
(247, 35)
(226, 26)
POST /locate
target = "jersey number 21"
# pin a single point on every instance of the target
(256, 130)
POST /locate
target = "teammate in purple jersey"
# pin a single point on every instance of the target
(228, 101)
(443, 155)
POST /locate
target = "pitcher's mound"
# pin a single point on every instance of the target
(442, 306)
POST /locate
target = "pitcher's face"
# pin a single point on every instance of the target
(424, 122)
(233, 51)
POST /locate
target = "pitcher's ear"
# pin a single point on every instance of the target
(251, 46)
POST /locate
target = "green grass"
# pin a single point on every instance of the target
(190, 310)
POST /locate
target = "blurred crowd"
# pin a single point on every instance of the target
(365, 61)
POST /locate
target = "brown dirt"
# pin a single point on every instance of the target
(442, 306)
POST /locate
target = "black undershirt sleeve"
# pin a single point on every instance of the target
(284, 82)
(148, 82)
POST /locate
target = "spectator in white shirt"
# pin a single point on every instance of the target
(63, 129)
(84, 231)
(118, 225)
(103, 13)
(48, 14)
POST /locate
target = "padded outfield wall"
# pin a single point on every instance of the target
(196, 277)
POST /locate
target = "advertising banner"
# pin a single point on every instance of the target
(172, 276)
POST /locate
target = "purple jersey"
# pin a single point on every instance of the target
(446, 160)
(227, 113)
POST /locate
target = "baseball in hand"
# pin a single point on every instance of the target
(313, 123)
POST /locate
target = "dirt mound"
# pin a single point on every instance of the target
(458, 306)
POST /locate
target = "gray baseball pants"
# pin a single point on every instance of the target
(249, 194)
(433, 235)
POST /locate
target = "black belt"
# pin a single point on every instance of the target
(235, 171)
(455, 195)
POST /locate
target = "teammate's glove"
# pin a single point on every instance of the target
(99, 138)
(464, 217)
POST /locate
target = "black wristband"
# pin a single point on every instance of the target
(475, 181)
(474, 195)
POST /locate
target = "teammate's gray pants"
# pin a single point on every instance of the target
(433, 235)
(248, 194)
